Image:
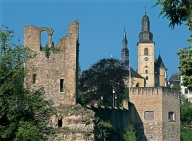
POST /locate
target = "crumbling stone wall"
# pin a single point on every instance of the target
(60, 68)
(73, 123)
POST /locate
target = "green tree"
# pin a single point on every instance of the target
(176, 11)
(186, 135)
(23, 114)
(130, 133)
(100, 80)
(179, 12)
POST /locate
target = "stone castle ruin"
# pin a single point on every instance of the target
(57, 72)
(153, 110)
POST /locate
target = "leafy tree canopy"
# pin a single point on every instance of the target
(23, 114)
(176, 11)
(100, 80)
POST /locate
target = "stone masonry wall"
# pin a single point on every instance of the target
(152, 105)
(73, 123)
(60, 66)
(171, 103)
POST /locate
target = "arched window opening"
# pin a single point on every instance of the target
(146, 51)
(43, 39)
(146, 77)
(137, 85)
(60, 122)
(146, 71)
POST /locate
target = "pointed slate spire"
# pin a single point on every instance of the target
(159, 63)
(125, 51)
(124, 40)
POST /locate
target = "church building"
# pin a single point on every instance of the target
(151, 72)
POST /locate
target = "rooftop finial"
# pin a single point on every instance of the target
(145, 8)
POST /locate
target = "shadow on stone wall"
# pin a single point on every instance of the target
(120, 119)
(136, 120)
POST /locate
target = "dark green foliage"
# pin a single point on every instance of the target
(176, 11)
(81, 99)
(105, 130)
(186, 111)
(23, 114)
(125, 96)
(130, 133)
(47, 50)
(100, 80)
(185, 66)
(186, 135)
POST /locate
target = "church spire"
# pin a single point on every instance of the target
(125, 51)
(145, 35)
(124, 40)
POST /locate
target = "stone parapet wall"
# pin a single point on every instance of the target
(154, 91)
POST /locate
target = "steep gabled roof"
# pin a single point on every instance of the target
(175, 77)
(135, 74)
(159, 63)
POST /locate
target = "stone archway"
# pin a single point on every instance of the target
(50, 33)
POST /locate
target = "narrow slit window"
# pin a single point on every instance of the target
(61, 85)
(146, 77)
(34, 78)
(59, 122)
(146, 71)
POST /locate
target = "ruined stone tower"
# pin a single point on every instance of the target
(54, 68)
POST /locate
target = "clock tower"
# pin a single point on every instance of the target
(146, 53)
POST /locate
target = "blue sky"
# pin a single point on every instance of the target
(102, 24)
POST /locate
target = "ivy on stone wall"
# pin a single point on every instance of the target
(47, 50)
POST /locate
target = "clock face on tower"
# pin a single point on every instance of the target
(146, 58)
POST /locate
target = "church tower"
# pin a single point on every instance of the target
(125, 51)
(146, 53)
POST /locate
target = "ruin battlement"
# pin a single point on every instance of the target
(32, 36)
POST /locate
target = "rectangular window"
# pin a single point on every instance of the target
(149, 115)
(34, 78)
(61, 85)
(186, 91)
(171, 116)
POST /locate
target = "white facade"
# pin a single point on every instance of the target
(186, 92)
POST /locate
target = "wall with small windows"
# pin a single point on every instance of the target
(53, 67)
(159, 111)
